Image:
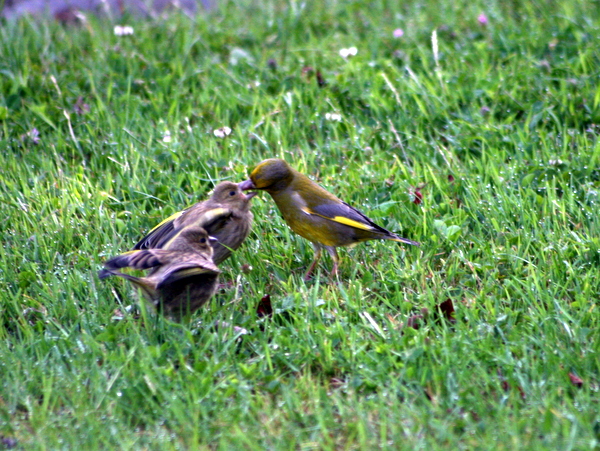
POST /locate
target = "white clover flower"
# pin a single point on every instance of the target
(237, 55)
(346, 53)
(123, 30)
(336, 117)
(287, 97)
(167, 137)
(222, 132)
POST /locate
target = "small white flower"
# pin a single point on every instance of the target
(346, 53)
(398, 32)
(287, 97)
(336, 117)
(237, 55)
(222, 132)
(167, 137)
(188, 126)
(123, 30)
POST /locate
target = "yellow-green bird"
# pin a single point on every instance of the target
(183, 275)
(226, 216)
(314, 213)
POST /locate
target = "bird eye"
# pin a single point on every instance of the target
(202, 240)
(232, 193)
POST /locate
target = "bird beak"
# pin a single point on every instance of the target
(246, 185)
(212, 239)
(251, 194)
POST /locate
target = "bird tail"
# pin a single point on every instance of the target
(148, 290)
(106, 273)
(405, 240)
(137, 259)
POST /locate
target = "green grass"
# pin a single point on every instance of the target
(509, 110)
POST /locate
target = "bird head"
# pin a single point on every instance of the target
(231, 194)
(271, 175)
(196, 239)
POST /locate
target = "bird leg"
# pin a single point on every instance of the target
(336, 260)
(316, 259)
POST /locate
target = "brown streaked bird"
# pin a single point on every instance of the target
(225, 215)
(183, 276)
(314, 213)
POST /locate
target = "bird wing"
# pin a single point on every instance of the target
(168, 229)
(159, 234)
(213, 219)
(342, 213)
(182, 271)
(140, 259)
(172, 261)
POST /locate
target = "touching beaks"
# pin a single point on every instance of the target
(246, 185)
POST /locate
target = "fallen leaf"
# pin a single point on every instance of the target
(418, 320)
(264, 307)
(506, 386)
(81, 107)
(320, 80)
(307, 71)
(417, 196)
(415, 193)
(446, 308)
(576, 380)
(429, 393)
(336, 382)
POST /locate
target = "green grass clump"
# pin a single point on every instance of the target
(495, 129)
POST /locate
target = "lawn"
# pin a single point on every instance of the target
(471, 127)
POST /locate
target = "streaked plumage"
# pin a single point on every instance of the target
(183, 276)
(314, 213)
(225, 215)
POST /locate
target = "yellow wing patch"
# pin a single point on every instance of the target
(342, 220)
(212, 214)
(203, 219)
(135, 251)
(195, 271)
(173, 217)
(352, 223)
